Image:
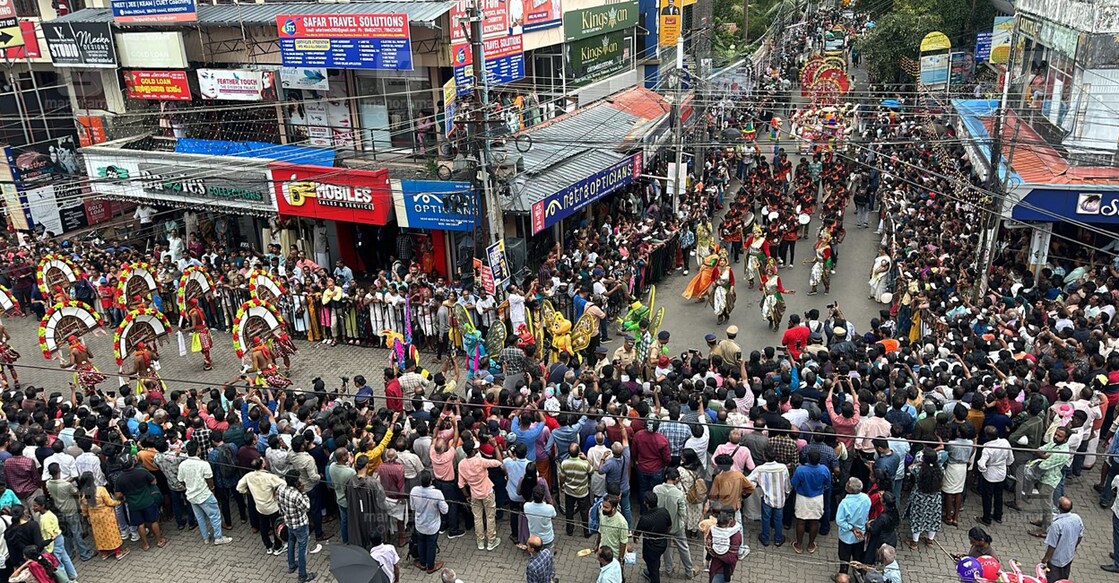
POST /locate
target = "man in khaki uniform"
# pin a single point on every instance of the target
(658, 349)
(625, 355)
(712, 349)
(729, 349)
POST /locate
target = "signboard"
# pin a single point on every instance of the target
(1051, 204)
(322, 192)
(934, 70)
(11, 35)
(313, 78)
(1000, 40)
(39, 172)
(530, 15)
(435, 204)
(670, 22)
(164, 179)
(960, 68)
(566, 202)
(237, 84)
(80, 44)
(505, 62)
(345, 41)
(495, 18)
(935, 41)
(30, 48)
(578, 24)
(91, 130)
(983, 45)
(154, 11)
(450, 106)
(485, 274)
(157, 85)
(598, 57)
(495, 257)
(151, 50)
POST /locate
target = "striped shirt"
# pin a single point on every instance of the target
(576, 473)
(773, 479)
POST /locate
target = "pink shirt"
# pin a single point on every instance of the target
(474, 473)
(443, 464)
(871, 428)
(743, 460)
(844, 427)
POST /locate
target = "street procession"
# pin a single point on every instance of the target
(510, 291)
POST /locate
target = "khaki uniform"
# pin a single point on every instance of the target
(729, 350)
(624, 357)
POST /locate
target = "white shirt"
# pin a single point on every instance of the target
(176, 248)
(995, 459)
(485, 306)
(68, 469)
(145, 214)
(388, 558)
(516, 310)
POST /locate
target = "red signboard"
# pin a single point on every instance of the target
(157, 85)
(334, 194)
(30, 48)
(495, 19)
(91, 130)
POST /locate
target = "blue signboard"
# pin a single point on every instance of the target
(1054, 205)
(435, 204)
(345, 41)
(566, 202)
(983, 46)
(505, 62)
(157, 11)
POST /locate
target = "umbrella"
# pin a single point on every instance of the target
(732, 133)
(350, 564)
(891, 103)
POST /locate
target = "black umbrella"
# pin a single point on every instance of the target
(732, 133)
(350, 564)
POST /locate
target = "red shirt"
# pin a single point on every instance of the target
(795, 339)
(394, 396)
(650, 451)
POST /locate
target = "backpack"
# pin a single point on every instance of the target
(83, 290)
(227, 464)
(697, 493)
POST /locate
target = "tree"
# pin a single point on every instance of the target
(896, 35)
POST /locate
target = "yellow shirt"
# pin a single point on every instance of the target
(48, 527)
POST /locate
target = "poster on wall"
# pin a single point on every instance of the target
(29, 49)
(450, 106)
(345, 41)
(934, 70)
(983, 45)
(153, 11)
(237, 84)
(495, 18)
(313, 78)
(1000, 39)
(321, 192)
(671, 20)
(323, 121)
(80, 44)
(157, 85)
(505, 62)
(530, 15)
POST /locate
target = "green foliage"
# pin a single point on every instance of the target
(900, 25)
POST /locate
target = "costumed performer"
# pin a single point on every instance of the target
(198, 328)
(264, 367)
(773, 300)
(708, 271)
(757, 253)
(86, 375)
(821, 264)
(722, 294)
(8, 358)
(144, 369)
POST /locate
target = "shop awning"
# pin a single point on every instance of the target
(265, 14)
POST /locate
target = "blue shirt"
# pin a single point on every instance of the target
(616, 470)
(528, 436)
(811, 480)
(851, 514)
(889, 463)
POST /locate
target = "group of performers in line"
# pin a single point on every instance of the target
(772, 210)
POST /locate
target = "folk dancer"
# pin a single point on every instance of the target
(144, 363)
(821, 264)
(702, 280)
(283, 347)
(722, 295)
(773, 300)
(264, 367)
(703, 241)
(879, 270)
(86, 375)
(59, 295)
(8, 358)
(757, 254)
(197, 322)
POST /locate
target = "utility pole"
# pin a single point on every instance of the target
(702, 24)
(746, 23)
(492, 206)
(680, 177)
(996, 184)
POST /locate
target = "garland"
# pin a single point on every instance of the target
(126, 272)
(180, 294)
(39, 279)
(253, 303)
(128, 319)
(50, 312)
(261, 273)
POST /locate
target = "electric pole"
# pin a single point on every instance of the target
(490, 202)
(680, 176)
(746, 23)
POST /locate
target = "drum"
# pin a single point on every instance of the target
(773, 216)
(804, 218)
(748, 219)
(765, 211)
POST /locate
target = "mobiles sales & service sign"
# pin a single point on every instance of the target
(333, 194)
(345, 41)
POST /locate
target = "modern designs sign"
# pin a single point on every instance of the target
(580, 24)
(564, 203)
(505, 62)
(335, 194)
(237, 84)
(80, 44)
(345, 41)
(157, 85)
(154, 11)
(598, 57)
(435, 204)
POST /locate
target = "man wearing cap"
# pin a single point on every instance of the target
(657, 349)
(842, 347)
(729, 349)
(626, 354)
(712, 349)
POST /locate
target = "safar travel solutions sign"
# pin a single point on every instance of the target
(599, 41)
